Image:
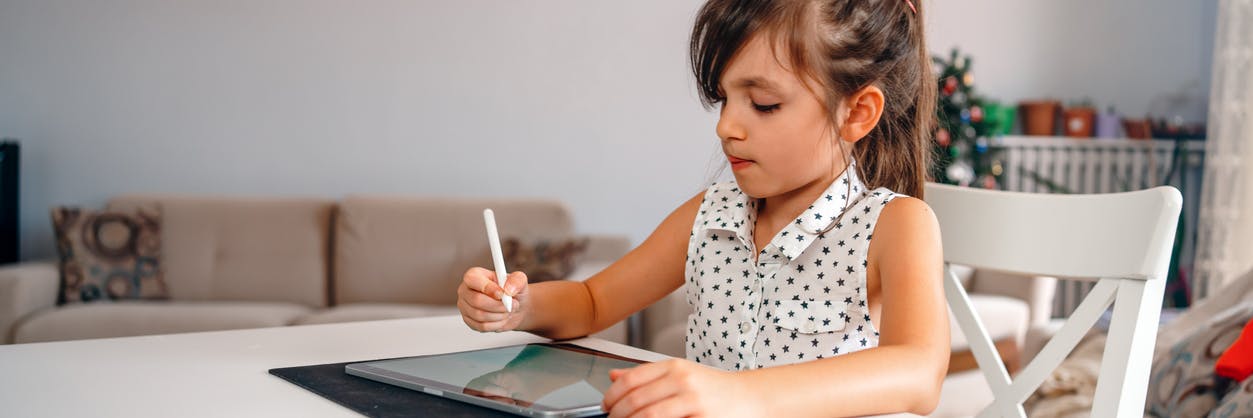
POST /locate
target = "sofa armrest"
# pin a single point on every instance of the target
(606, 248)
(1037, 291)
(25, 288)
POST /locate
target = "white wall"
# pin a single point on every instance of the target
(1140, 56)
(589, 102)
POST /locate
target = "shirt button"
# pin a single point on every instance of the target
(809, 327)
(745, 327)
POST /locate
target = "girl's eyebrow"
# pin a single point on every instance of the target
(758, 82)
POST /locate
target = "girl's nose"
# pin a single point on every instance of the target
(728, 128)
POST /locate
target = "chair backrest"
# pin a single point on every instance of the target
(1123, 240)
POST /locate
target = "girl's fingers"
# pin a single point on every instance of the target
(481, 280)
(674, 406)
(644, 397)
(479, 315)
(486, 303)
(631, 379)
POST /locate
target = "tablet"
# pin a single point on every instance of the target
(547, 380)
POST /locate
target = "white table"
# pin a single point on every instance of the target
(224, 373)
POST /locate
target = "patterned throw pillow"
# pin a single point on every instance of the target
(543, 260)
(1184, 384)
(1238, 403)
(108, 255)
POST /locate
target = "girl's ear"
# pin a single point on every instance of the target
(864, 108)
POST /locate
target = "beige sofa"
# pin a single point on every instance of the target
(232, 262)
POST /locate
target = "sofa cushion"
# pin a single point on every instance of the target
(1002, 316)
(124, 319)
(247, 249)
(373, 311)
(415, 250)
(1184, 383)
(108, 255)
(543, 260)
(1238, 402)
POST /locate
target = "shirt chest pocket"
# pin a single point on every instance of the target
(811, 316)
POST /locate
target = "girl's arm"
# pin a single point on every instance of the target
(902, 374)
(567, 309)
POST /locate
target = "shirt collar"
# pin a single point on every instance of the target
(735, 213)
(807, 228)
(738, 213)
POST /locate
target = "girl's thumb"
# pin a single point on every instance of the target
(515, 283)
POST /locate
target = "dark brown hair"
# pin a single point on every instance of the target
(843, 46)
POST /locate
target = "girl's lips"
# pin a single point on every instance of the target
(738, 163)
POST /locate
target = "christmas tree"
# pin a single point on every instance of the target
(963, 155)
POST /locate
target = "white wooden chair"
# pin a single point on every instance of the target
(1123, 240)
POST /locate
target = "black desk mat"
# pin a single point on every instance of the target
(375, 399)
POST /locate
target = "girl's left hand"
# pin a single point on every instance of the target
(678, 388)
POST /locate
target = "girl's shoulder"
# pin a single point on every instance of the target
(901, 213)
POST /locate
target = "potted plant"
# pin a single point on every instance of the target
(1079, 119)
(1039, 117)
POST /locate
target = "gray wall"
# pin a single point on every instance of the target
(589, 102)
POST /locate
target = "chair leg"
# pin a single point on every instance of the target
(1123, 381)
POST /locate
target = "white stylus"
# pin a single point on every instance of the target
(493, 239)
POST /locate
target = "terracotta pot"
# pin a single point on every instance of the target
(1039, 117)
(1079, 122)
(1137, 128)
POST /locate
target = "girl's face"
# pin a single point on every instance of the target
(775, 131)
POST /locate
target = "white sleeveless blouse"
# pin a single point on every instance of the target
(804, 299)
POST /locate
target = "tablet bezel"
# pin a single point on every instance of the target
(442, 389)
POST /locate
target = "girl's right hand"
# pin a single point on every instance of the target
(479, 299)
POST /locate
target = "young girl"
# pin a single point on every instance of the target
(826, 108)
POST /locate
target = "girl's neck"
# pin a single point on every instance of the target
(775, 212)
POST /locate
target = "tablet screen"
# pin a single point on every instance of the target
(541, 376)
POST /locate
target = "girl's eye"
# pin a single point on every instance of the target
(766, 108)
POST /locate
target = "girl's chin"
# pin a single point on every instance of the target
(751, 188)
